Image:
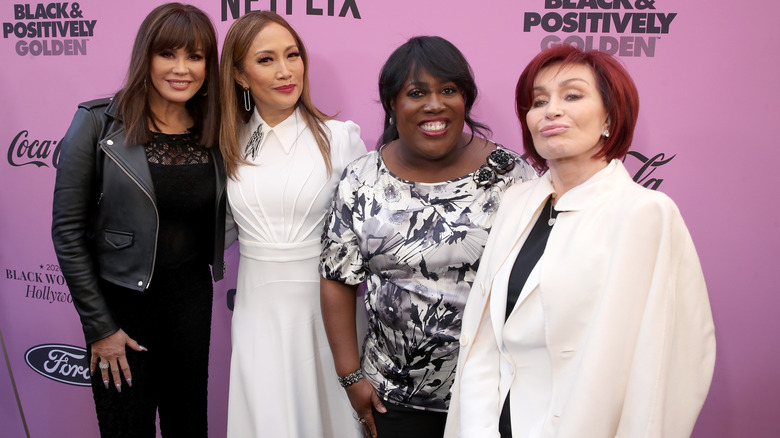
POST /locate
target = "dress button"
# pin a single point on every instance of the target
(140, 283)
(464, 340)
(110, 142)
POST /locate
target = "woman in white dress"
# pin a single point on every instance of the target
(283, 158)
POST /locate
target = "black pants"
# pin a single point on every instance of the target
(402, 422)
(173, 321)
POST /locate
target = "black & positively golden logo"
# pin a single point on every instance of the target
(618, 27)
(49, 29)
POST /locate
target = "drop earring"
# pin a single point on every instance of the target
(247, 99)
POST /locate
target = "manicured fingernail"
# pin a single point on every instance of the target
(130, 383)
(118, 387)
(105, 383)
(142, 348)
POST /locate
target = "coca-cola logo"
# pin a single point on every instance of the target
(63, 363)
(24, 150)
(644, 175)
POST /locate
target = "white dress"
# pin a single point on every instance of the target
(283, 382)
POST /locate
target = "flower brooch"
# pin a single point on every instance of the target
(499, 162)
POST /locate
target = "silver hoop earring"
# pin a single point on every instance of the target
(247, 100)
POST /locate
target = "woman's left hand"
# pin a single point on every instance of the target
(109, 355)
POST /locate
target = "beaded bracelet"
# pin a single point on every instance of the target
(351, 378)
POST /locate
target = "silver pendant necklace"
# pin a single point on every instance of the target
(551, 221)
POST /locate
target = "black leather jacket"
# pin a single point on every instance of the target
(105, 219)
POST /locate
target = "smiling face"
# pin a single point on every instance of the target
(429, 114)
(273, 70)
(176, 75)
(567, 115)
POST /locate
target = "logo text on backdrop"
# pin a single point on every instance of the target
(330, 8)
(49, 29)
(617, 27)
(62, 363)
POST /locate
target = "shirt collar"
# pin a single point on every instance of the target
(287, 132)
(598, 185)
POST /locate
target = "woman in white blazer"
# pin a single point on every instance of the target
(589, 315)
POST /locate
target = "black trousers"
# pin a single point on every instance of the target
(172, 320)
(403, 422)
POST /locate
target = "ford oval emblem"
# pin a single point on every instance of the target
(63, 363)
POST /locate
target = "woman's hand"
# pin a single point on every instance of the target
(363, 397)
(109, 354)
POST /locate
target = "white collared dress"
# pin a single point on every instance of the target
(282, 379)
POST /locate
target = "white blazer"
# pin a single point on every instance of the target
(612, 335)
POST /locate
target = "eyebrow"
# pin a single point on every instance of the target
(564, 83)
(293, 46)
(424, 84)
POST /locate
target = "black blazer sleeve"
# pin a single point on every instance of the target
(76, 195)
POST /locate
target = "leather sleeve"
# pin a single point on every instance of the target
(75, 201)
(221, 217)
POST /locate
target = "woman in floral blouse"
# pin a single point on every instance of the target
(411, 220)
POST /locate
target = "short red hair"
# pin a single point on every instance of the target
(618, 94)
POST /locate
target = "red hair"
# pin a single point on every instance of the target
(617, 89)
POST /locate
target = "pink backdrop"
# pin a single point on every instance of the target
(706, 72)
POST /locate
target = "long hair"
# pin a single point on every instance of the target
(618, 94)
(237, 43)
(169, 27)
(442, 60)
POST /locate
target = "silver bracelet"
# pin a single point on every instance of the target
(351, 378)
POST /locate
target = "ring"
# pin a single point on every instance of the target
(362, 420)
(103, 365)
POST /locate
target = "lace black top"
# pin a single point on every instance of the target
(184, 180)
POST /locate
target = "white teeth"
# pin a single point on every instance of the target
(433, 126)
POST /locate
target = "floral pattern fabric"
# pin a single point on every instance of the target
(417, 246)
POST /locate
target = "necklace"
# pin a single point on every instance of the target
(552, 219)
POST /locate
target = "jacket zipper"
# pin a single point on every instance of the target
(156, 213)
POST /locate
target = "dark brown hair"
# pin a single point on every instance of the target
(169, 27)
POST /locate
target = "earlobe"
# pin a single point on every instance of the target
(240, 80)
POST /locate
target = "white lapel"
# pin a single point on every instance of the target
(508, 241)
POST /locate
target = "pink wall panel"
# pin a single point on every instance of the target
(707, 76)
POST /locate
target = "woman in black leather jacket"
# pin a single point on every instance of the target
(138, 215)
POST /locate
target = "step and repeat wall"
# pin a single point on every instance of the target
(707, 77)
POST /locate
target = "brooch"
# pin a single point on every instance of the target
(254, 142)
(499, 162)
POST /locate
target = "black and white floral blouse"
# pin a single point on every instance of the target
(417, 246)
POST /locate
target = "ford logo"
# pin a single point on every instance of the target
(63, 363)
